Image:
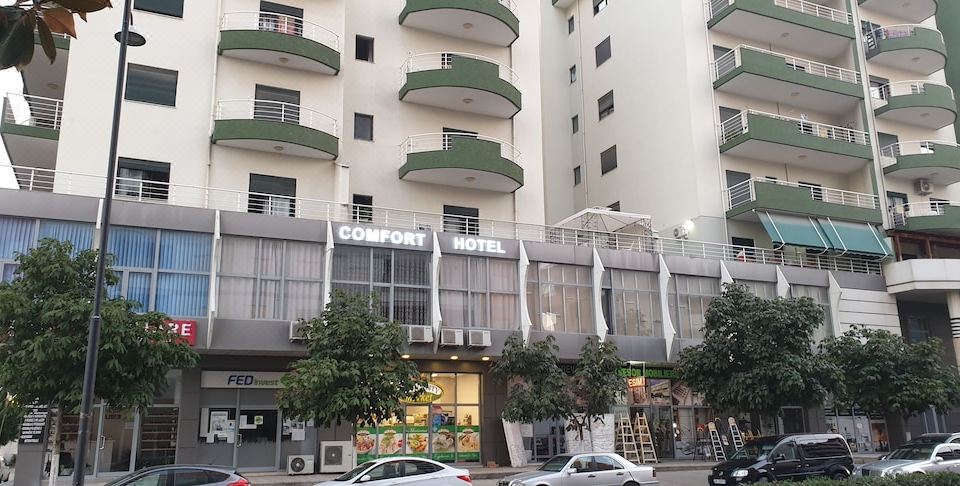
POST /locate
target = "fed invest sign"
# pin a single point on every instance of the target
(410, 238)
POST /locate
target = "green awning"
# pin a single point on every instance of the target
(848, 237)
(786, 229)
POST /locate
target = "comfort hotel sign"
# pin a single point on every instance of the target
(376, 236)
(381, 236)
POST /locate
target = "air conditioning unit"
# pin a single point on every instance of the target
(419, 334)
(296, 332)
(478, 338)
(300, 465)
(336, 457)
(451, 337)
(922, 187)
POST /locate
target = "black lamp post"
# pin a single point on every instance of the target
(126, 37)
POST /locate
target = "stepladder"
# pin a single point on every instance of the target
(648, 453)
(719, 454)
(735, 433)
(626, 440)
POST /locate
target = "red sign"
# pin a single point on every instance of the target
(186, 329)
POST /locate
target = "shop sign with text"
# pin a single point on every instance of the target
(187, 330)
(427, 394)
(240, 379)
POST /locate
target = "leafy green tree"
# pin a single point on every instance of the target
(883, 374)
(537, 386)
(596, 385)
(355, 372)
(758, 355)
(11, 413)
(20, 21)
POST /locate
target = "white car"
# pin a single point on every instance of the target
(589, 469)
(408, 471)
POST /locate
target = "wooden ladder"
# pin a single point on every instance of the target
(735, 433)
(626, 441)
(648, 454)
(719, 454)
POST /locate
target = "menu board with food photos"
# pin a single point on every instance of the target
(418, 440)
(468, 443)
(366, 444)
(445, 443)
(390, 440)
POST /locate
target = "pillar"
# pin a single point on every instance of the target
(953, 308)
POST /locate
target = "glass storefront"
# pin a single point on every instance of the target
(442, 422)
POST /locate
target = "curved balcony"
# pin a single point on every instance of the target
(913, 48)
(793, 25)
(30, 129)
(488, 21)
(281, 40)
(461, 82)
(914, 10)
(461, 160)
(934, 160)
(922, 103)
(938, 217)
(743, 199)
(275, 127)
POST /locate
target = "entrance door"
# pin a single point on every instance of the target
(240, 428)
(257, 439)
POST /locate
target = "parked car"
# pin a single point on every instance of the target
(409, 471)
(595, 468)
(786, 457)
(182, 475)
(929, 453)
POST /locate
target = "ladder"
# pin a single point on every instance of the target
(719, 454)
(648, 454)
(735, 433)
(626, 441)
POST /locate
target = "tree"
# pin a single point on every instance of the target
(11, 413)
(596, 385)
(537, 386)
(44, 315)
(883, 374)
(758, 355)
(355, 372)
(19, 22)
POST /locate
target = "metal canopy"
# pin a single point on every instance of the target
(604, 219)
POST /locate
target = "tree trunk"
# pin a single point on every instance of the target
(896, 430)
(518, 455)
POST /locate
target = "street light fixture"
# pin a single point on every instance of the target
(126, 37)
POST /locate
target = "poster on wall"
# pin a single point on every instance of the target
(660, 392)
(468, 443)
(366, 444)
(417, 440)
(390, 441)
(445, 444)
(296, 429)
(682, 394)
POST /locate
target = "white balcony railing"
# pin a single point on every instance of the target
(433, 61)
(895, 32)
(432, 142)
(34, 179)
(734, 59)
(902, 213)
(33, 111)
(277, 111)
(745, 192)
(802, 6)
(889, 154)
(510, 6)
(881, 94)
(280, 23)
(739, 124)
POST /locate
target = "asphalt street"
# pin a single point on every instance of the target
(670, 478)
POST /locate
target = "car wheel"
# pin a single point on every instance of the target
(838, 476)
(631, 483)
(763, 479)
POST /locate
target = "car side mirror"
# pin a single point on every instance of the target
(571, 470)
(364, 478)
(779, 457)
(938, 459)
(882, 458)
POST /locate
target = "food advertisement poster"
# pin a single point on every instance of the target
(445, 444)
(390, 441)
(468, 443)
(418, 440)
(366, 444)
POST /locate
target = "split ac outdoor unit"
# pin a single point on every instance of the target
(300, 465)
(336, 456)
(922, 186)
(451, 337)
(419, 334)
(478, 338)
(296, 332)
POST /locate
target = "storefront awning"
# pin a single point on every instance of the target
(848, 237)
(786, 229)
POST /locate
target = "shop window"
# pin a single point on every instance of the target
(689, 299)
(559, 298)
(634, 303)
(151, 85)
(479, 292)
(398, 280)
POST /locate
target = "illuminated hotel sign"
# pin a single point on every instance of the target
(375, 235)
(477, 244)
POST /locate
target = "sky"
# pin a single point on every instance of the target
(10, 82)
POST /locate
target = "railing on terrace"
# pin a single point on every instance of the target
(511, 5)
(34, 179)
(745, 192)
(733, 59)
(739, 124)
(33, 111)
(277, 111)
(889, 154)
(433, 61)
(900, 214)
(431, 142)
(894, 32)
(881, 94)
(802, 6)
(280, 23)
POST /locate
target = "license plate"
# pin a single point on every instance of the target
(719, 481)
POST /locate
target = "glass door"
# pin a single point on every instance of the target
(257, 439)
(115, 442)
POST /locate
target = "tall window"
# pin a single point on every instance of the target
(573, 74)
(559, 298)
(270, 279)
(151, 85)
(479, 292)
(689, 299)
(608, 160)
(632, 303)
(272, 195)
(820, 295)
(142, 179)
(364, 48)
(602, 52)
(599, 5)
(571, 25)
(605, 105)
(577, 176)
(400, 280)
(457, 219)
(362, 208)
(575, 123)
(362, 127)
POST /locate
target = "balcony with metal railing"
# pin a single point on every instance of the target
(489, 21)
(276, 127)
(799, 198)
(794, 25)
(461, 82)
(915, 11)
(914, 48)
(281, 40)
(936, 161)
(779, 78)
(31, 128)
(40, 180)
(938, 217)
(927, 104)
(796, 141)
(461, 160)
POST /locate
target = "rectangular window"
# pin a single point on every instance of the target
(598, 6)
(398, 281)
(461, 220)
(151, 85)
(633, 307)
(364, 48)
(605, 105)
(575, 123)
(272, 195)
(173, 8)
(821, 296)
(479, 292)
(608, 160)
(142, 179)
(362, 208)
(362, 127)
(573, 74)
(577, 176)
(16, 237)
(602, 51)
(614, 206)
(571, 25)
(689, 299)
(276, 104)
(559, 298)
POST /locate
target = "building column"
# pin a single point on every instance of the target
(953, 308)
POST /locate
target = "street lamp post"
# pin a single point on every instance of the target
(125, 37)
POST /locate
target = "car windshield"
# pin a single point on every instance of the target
(754, 451)
(913, 452)
(555, 464)
(355, 471)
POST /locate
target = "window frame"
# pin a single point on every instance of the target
(469, 291)
(604, 47)
(371, 51)
(575, 124)
(599, 6)
(152, 189)
(134, 68)
(604, 112)
(357, 117)
(685, 330)
(464, 224)
(573, 74)
(533, 280)
(577, 175)
(571, 25)
(608, 168)
(160, 12)
(613, 282)
(382, 288)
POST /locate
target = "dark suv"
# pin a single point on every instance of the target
(786, 457)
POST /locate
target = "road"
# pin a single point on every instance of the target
(671, 478)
